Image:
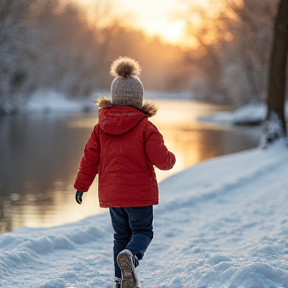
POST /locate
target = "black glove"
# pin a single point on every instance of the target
(78, 197)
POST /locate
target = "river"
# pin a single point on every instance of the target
(40, 153)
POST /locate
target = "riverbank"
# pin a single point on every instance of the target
(50, 101)
(247, 115)
(221, 223)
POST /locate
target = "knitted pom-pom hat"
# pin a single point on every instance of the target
(126, 88)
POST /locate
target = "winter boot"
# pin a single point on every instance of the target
(117, 282)
(127, 263)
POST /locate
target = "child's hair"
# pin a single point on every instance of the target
(126, 88)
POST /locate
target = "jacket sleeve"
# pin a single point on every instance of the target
(155, 149)
(89, 163)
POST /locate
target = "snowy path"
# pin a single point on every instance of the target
(224, 233)
(222, 223)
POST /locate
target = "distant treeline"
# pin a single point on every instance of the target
(56, 45)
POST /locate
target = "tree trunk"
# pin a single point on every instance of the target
(277, 78)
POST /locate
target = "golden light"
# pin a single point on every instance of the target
(173, 32)
(155, 18)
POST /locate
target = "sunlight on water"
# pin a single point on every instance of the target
(40, 155)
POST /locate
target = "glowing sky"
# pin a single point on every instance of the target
(156, 17)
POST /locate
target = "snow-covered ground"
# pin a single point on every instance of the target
(222, 223)
(52, 101)
(250, 114)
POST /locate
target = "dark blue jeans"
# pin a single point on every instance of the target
(133, 230)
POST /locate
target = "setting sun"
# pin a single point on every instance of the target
(172, 32)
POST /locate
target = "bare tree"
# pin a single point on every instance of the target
(66, 57)
(235, 41)
(205, 56)
(249, 24)
(275, 124)
(17, 48)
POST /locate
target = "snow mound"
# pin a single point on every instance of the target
(250, 114)
(51, 101)
(256, 275)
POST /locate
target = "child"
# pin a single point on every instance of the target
(123, 148)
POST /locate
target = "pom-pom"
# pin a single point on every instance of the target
(125, 67)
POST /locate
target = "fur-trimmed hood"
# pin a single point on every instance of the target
(148, 108)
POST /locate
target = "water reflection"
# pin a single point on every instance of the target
(39, 156)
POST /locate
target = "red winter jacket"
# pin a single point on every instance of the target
(122, 149)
